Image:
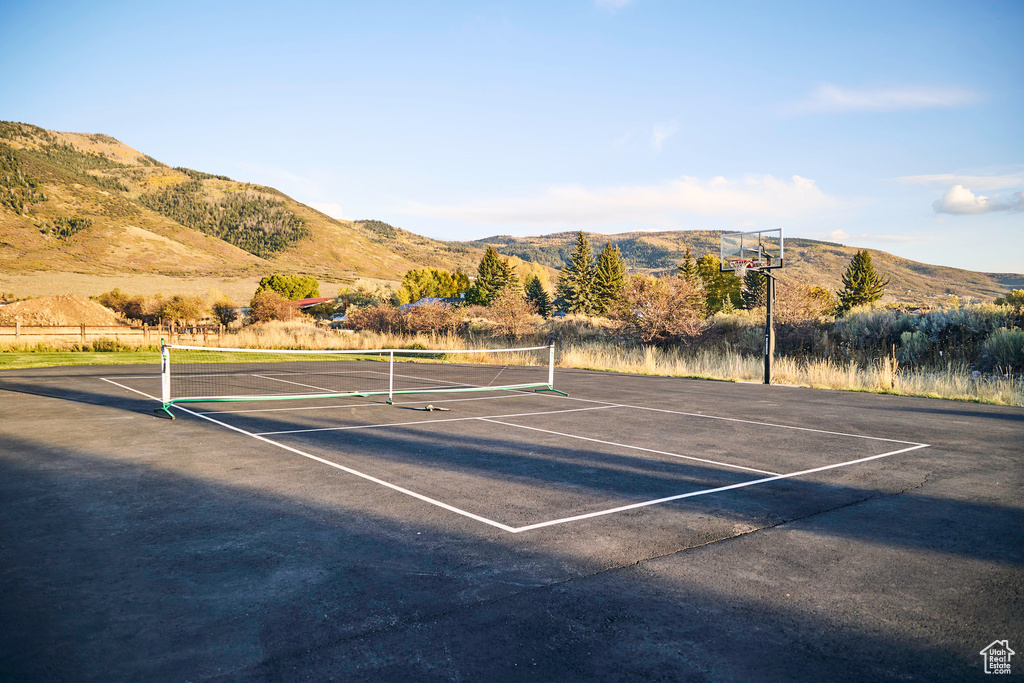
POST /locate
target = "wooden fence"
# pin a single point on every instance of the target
(131, 335)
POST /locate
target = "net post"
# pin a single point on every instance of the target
(551, 374)
(165, 381)
(391, 378)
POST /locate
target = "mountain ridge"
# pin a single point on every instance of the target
(89, 204)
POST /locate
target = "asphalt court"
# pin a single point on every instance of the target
(521, 460)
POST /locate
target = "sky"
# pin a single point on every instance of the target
(895, 126)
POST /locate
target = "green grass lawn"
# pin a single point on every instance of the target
(10, 360)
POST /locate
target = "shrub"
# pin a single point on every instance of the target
(225, 311)
(512, 313)
(267, 305)
(183, 309)
(661, 310)
(1004, 350)
(431, 319)
(383, 318)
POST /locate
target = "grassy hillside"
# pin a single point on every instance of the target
(807, 261)
(84, 203)
(89, 205)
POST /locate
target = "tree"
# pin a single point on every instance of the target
(537, 296)
(267, 305)
(688, 269)
(294, 287)
(1015, 298)
(609, 279)
(225, 311)
(861, 284)
(184, 309)
(721, 289)
(512, 313)
(661, 310)
(492, 275)
(755, 290)
(429, 282)
(576, 281)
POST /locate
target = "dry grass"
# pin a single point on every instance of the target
(590, 353)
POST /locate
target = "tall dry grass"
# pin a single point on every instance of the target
(884, 375)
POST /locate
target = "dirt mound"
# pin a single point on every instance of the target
(66, 309)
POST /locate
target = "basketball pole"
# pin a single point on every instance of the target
(769, 326)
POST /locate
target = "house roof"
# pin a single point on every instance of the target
(427, 301)
(306, 303)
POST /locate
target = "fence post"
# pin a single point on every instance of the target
(83, 334)
(17, 330)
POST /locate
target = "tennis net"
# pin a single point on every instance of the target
(200, 374)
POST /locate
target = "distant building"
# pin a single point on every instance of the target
(430, 300)
(309, 303)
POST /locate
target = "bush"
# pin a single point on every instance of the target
(657, 310)
(431, 319)
(225, 311)
(184, 310)
(383, 318)
(512, 313)
(1004, 350)
(267, 305)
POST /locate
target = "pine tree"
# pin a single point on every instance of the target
(609, 279)
(688, 269)
(538, 296)
(576, 281)
(721, 289)
(492, 275)
(755, 290)
(861, 284)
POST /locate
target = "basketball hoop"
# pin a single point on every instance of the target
(740, 268)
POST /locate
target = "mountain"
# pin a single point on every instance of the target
(90, 204)
(94, 213)
(807, 261)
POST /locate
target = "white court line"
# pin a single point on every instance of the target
(421, 422)
(512, 394)
(731, 419)
(393, 487)
(564, 520)
(623, 508)
(298, 384)
(622, 445)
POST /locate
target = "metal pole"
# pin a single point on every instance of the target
(769, 327)
(551, 366)
(391, 377)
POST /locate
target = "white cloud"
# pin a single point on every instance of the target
(959, 201)
(837, 236)
(833, 98)
(977, 182)
(843, 237)
(660, 133)
(660, 204)
(329, 208)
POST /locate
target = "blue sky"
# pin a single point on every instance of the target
(896, 126)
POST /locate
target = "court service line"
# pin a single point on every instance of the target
(298, 384)
(512, 394)
(635, 448)
(420, 422)
(324, 461)
(733, 419)
(752, 482)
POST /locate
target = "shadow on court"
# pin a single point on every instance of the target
(119, 570)
(133, 548)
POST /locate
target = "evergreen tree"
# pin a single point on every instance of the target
(492, 275)
(861, 284)
(721, 289)
(609, 279)
(538, 296)
(576, 281)
(688, 269)
(755, 290)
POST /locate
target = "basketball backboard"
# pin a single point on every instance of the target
(754, 250)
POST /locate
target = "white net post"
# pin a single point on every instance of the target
(551, 366)
(165, 374)
(391, 377)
